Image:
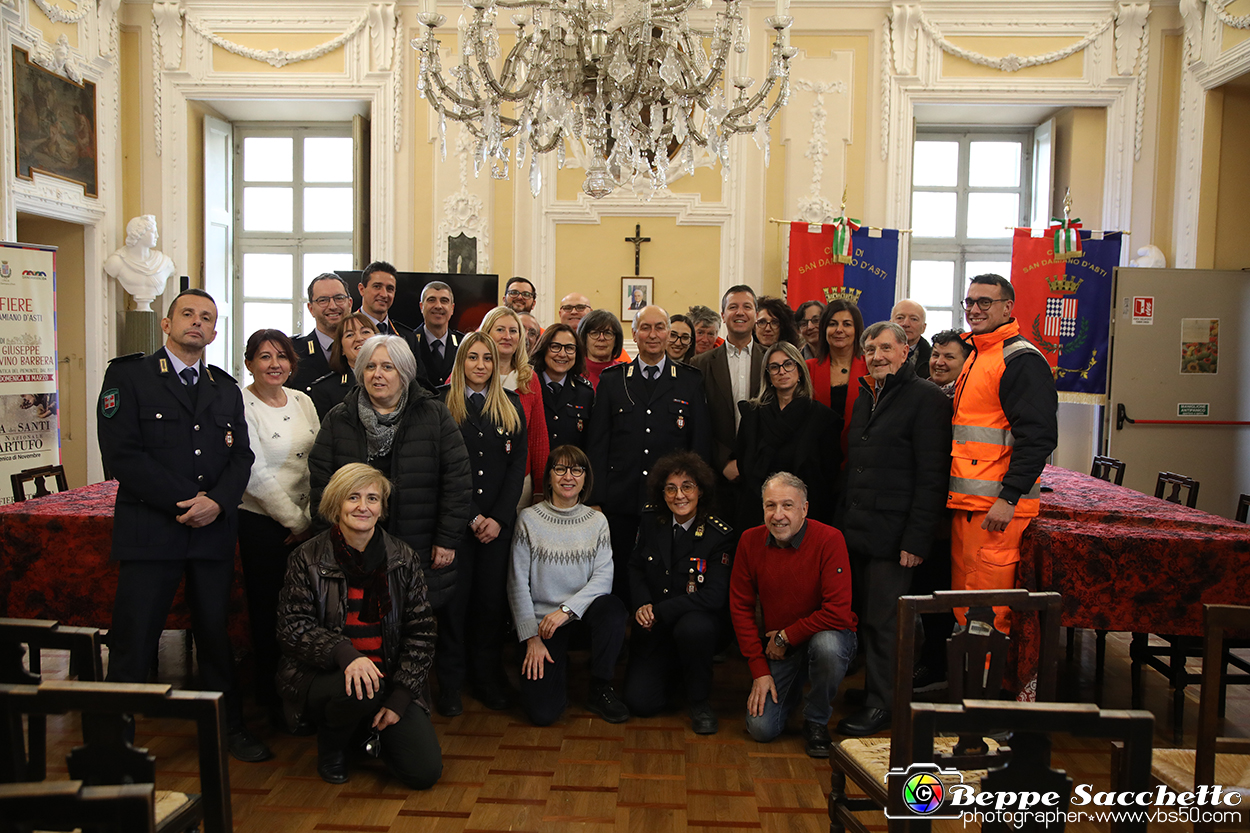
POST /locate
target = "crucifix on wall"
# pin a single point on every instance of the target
(636, 291)
(637, 240)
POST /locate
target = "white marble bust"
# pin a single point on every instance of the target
(138, 266)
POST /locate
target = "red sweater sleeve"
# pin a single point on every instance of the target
(536, 431)
(834, 613)
(743, 592)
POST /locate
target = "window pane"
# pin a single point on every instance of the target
(994, 165)
(259, 316)
(938, 320)
(327, 209)
(267, 209)
(268, 158)
(986, 267)
(932, 214)
(267, 275)
(936, 163)
(932, 282)
(328, 159)
(992, 215)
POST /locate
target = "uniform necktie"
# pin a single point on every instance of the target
(478, 400)
(188, 376)
(437, 347)
(554, 387)
(652, 373)
(384, 328)
(678, 529)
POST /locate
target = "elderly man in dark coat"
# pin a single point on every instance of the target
(897, 467)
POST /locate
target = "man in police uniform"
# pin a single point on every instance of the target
(643, 410)
(172, 432)
(436, 342)
(329, 300)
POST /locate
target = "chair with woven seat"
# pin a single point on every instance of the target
(976, 662)
(1103, 466)
(61, 805)
(1217, 759)
(1177, 482)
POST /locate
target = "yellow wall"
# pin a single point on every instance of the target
(1232, 225)
(1232, 37)
(1209, 193)
(1080, 142)
(131, 112)
(1166, 125)
(52, 31)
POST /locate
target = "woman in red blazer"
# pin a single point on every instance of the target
(839, 362)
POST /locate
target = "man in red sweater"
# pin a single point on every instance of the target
(801, 575)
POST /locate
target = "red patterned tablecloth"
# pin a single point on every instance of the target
(54, 563)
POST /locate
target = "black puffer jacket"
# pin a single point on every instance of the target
(312, 611)
(429, 476)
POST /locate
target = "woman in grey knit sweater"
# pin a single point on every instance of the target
(561, 583)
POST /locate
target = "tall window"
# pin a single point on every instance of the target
(969, 189)
(293, 220)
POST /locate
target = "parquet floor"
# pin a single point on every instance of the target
(584, 774)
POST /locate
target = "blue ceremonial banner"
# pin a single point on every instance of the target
(868, 279)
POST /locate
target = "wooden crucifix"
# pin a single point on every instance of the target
(637, 240)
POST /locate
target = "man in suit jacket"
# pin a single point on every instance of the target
(377, 286)
(911, 317)
(329, 300)
(731, 374)
(643, 410)
(436, 343)
(173, 433)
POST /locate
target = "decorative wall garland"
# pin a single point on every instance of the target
(815, 208)
(58, 15)
(279, 57)
(885, 88)
(1012, 63)
(156, 85)
(1141, 91)
(397, 82)
(1217, 6)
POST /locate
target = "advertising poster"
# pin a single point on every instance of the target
(1200, 345)
(30, 435)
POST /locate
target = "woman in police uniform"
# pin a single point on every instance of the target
(679, 580)
(492, 423)
(350, 335)
(567, 397)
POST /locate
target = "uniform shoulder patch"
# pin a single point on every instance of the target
(651, 507)
(129, 357)
(110, 401)
(720, 525)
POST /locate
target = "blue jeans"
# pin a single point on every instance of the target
(823, 660)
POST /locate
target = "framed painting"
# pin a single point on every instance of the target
(55, 122)
(636, 293)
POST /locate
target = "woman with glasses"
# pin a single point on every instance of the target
(807, 319)
(839, 363)
(785, 429)
(328, 391)
(775, 322)
(568, 399)
(492, 422)
(603, 341)
(560, 585)
(680, 338)
(679, 581)
(503, 325)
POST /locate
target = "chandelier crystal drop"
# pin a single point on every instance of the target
(634, 84)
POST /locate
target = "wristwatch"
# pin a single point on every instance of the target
(780, 641)
(568, 611)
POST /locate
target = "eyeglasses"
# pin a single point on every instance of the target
(679, 338)
(520, 293)
(767, 324)
(809, 322)
(570, 349)
(786, 366)
(576, 471)
(601, 334)
(686, 488)
(574, 307)
(326, 300)
(982, 303)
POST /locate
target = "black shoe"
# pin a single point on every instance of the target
(864, 722)
(604, 702)
(702, 719)
(498, 699)
(449, 704)
(245, 746)
(816, 739)
(332, 767)
(926, 679)
(856, 697)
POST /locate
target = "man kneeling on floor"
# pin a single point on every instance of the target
(799, 572)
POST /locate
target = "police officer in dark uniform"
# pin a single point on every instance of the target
(643, 410)
(568, 398)
(436, 342)
(172, 432)
(329, 300)
(679, 580)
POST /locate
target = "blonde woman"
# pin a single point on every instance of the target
(492, 422)
(504, 327)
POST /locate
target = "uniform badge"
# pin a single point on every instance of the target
(229, 439)
(312, 348)
(507, 446)
(698, 533)
(681, 421)
(724, 559)
(580, 426)
(164, 365)
(109, 400)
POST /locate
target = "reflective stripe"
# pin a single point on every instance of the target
(989, 488)
(1017, 348)
(983, 434)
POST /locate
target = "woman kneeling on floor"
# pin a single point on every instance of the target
(357, 636)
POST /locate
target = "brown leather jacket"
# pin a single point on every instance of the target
(312, 611)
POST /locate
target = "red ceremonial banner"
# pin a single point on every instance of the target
(1033, 264)
(812, 267)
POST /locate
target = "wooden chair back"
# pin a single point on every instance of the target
(1219, 623)
(39, 477)
(1177, 482)
(1103, 466)
(47, 805)
(1243, 506)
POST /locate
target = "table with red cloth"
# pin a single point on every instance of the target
(1126, 561)
(54, 563)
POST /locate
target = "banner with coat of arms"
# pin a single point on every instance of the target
(827, 263)
(1064, 307)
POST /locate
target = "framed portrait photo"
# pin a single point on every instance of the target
(636, 293)
(56, 124)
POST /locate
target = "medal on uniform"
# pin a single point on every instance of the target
(681, 421)
(229, 439)
(690, 584)
(579, 426)
(507, 446)
(698, 533)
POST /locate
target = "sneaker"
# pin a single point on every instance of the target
(926, 679)
(816, 739)
(604, 702)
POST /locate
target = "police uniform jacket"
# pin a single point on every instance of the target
(568, 412)
(438, 369)
(330, 390)
(630, 429)
(164, 447)
(311, 362)
(676, 578)
(497, 460)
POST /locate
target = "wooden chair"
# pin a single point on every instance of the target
(68, 804)
(107, 758)
(38, 477)
(866, 761)
(1024, 763)
(1217, 759)
(1177, 482)
(1243, 506)
(1103, 466)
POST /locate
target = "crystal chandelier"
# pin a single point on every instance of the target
(633, 82)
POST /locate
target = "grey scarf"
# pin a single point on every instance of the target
(380, 428)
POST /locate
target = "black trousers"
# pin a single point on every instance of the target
(145, 590)
(544, 699)
(472, 624)
(669, 654)
(263, 556)
(409, 747)
(884, 580)
(623, 529)
(933, 575)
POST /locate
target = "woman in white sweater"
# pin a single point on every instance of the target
(273, 518)
(561, 583)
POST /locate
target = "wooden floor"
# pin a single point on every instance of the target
(584, 774)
